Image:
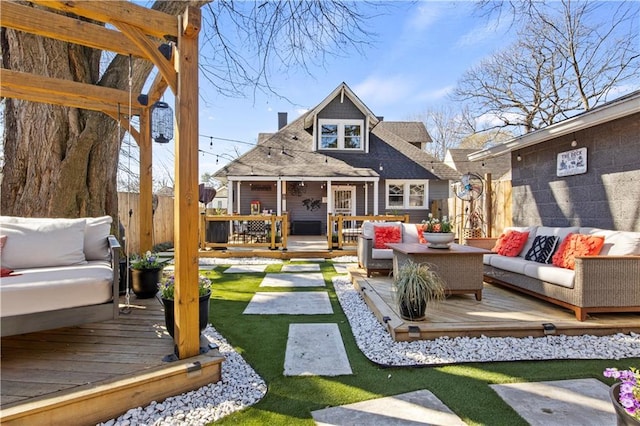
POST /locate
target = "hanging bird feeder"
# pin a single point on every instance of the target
(162, 122)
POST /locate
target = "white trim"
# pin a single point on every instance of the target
(627, 105)
(351, 189)
(341, 123)
(406, 184)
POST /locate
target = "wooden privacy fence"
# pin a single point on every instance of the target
(486, 216)
(162, 220)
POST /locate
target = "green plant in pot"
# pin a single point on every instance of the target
(167, 291)
(145, 274)
(415, 285)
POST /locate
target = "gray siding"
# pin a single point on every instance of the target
(299, 203)
(607, 196)
(338, 110)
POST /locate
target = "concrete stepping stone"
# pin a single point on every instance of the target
(343, 268)
(169, 268)
(561, 402)
(414, 408)
(315, 350)
(287, 279)
(289, 303)
(244, 269)
(302, 267)
(311, 259)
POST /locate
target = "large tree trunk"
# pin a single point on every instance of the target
(59, 161)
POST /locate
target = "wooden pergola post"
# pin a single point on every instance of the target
(187, 333)
(145, 215)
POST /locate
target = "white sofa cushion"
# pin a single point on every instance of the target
(38, 244)
(486, 258)
(381, 253)
(410, 233)
(511, 264)
(49, 289)
(96, 246)
(616, 243)
(560, 276)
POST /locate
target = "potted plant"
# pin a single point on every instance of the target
(437, 232)
(415, 285)
(167, 290)
(625, 395)
(145, 274)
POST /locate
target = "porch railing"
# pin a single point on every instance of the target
(222, 231)
(344, 230)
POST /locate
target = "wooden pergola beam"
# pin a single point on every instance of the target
(48, 24)
(152, 22)
(37, 88)
(165, 66)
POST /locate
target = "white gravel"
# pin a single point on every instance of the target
(242, 387)
(377, 345)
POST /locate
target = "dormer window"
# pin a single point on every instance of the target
(341, 134)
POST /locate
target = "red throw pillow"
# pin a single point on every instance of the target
(514, 243)
(501, 241)
(577, 245)
(420, 229)
(386, 234)
(4, 272)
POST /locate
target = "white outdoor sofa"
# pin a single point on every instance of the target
(608, 282)
(65, 273)
(380, 260)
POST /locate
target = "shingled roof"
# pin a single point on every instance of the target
(289, 152)
(458, 159)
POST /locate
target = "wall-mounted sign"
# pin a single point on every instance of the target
(257, 187)
(572, 162)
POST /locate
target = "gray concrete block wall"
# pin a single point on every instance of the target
(607, 196)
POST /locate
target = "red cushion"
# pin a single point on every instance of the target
(4, 272)
(501, 241)
(577, 245)
(420, 228)
(514, 243)
(386, 234)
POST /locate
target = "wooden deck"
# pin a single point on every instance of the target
(92, 373)
(307, 246)
(500, 313)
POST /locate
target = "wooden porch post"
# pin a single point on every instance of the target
(187, 334)
(145, 214)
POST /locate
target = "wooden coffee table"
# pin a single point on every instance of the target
(459, 266)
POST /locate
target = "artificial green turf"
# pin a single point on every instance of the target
(464, 388)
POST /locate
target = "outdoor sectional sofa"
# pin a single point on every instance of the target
(607, 282)
(380, 260)
(57, 273)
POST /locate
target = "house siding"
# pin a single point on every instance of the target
(606, 196)
(341, 110)
(301, 202)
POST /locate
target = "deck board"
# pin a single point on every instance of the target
(50, 372)
(500, 313)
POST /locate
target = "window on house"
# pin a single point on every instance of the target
(341, 134)
(406, 195)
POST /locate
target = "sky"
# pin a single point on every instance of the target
(418, 53)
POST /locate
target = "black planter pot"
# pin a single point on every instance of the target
(624, 418)
(414, 312)
(169, 314)
(144, 282)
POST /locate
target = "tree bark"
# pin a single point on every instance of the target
(60, 161)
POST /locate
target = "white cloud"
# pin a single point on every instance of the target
(426, 15)
(487, 30)
(301, 111)
(383, 91)
(438, 94)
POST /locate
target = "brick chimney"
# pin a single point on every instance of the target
(282, 120)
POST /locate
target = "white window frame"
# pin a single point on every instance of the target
(406, 185)
(341, 123)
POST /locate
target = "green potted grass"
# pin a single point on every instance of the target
(415, 285)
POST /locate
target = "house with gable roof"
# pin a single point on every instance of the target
(338, 158)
